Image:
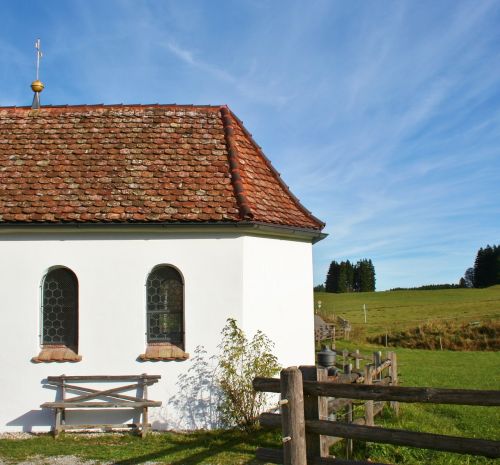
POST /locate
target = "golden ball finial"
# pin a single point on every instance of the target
(37, 86)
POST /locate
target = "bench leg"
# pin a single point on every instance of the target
(144, 429)
(57, 427)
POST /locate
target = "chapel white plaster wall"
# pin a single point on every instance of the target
(112, 271)
(278, 296)
(265, 283)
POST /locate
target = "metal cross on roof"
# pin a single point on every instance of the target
(39, 55)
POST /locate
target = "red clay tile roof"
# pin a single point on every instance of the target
(138, 164)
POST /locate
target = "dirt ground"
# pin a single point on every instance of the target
(61, 460)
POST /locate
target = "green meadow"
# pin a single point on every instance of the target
(391, 311)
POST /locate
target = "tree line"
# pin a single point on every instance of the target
(349, 277)
(427, 287)
(486, 269)
(360, 277)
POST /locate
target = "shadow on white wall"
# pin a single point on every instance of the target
(198, 396)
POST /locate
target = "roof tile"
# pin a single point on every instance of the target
(148, 164)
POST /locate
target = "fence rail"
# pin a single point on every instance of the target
(388, 393)
(304, 429)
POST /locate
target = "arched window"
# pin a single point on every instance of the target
(165, 306)
(60, 309)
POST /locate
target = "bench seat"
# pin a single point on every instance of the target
(109, 398)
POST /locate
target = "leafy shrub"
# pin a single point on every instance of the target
(240, 361)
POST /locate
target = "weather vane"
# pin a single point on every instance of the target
(37, 85)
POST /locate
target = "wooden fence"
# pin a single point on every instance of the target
(379, 372)
(304, 427)
(339, 329)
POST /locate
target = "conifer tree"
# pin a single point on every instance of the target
(347, 277)
(343, 278)
(332, 278)
(371, 274)
(487, 266)
(469, 277)
(365, 276)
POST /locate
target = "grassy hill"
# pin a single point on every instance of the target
(397, 310)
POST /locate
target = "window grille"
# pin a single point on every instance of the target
(60, 308)
(165, 306)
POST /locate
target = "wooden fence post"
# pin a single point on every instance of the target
(292, 417)
(393, 373)
(369, 403)
(315, 408)
(357, 359)
(349, 444)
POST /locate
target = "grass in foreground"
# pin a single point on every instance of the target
(215, 447)
(399, 310)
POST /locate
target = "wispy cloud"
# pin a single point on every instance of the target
(383, 118)
(242, 84)
(187, 56)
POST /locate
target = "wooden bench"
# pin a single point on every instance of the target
(88, 397)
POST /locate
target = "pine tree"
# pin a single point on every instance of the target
(347, 277)
(361, 276)
(371, 269)
(469, 277)
(487, 266)
(343, 278)
(497, 264)
(332, 278)
(478, 268)
(357, 277)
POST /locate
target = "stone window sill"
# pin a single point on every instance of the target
(156, 352)
(56, 353)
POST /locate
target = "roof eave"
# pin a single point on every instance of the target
(250, 227)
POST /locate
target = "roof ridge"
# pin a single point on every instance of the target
(112, 105)
(245, 211)
(275, 173)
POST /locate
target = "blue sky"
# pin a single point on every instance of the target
(382, 116)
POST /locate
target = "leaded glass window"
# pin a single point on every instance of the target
(60, 308)
(165, 306)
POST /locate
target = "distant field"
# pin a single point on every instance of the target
(390, 311)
